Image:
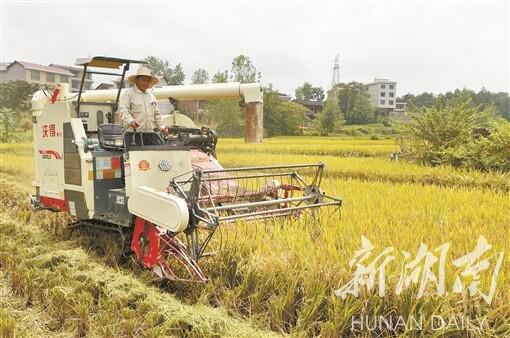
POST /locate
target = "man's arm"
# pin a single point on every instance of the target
(125, 113)
(158, 122)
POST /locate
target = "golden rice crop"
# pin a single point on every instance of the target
(285, 276)
(312, 146)
(20, 149)
(379, 169)
(282, 275)
(21, 164)
(313, 256)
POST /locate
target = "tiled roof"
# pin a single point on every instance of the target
(308, 103)
(66, 67)
(43, 68)
(4, 65)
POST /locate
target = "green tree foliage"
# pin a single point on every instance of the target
(328, 116)
(243, 70)
(446, 134)
(8, 120)
(318, 94)
(493, 152)
(354, 103)
(484, 98)
(309, 93)
(227, 117)
(25, 124)
(304, 92)
(422, 100)
(281, 117)
(200, 76)
(162, 68)
(15, 97)
(220, 77)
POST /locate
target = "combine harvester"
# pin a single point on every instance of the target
(166, 195)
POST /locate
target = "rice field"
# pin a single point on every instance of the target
(275, 278)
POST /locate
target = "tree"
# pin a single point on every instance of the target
(7, 118)
(362, 112)
(424, 100)
(220, 77)
(443, 134)
(354, 104)
(160, 67)
(25, 124)
(281, 117)
(177, 77)
(291, 120)
(226, 116)
(304, 92)
(501, 101)
(318, 94)
(243, 70)
(15, 103)
(200, 76)
(328, 116)
(308, 92)
(483, 99)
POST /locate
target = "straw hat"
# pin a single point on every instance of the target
(143, 71)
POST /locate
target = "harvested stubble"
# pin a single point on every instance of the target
(7, 325)
(87, 297)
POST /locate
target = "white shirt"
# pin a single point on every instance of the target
(142, 107)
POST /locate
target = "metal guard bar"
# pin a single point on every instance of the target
(225, 195)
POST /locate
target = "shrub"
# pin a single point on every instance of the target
(444, 135)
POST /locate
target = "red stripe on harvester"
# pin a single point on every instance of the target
(51, 152)
(54, 203)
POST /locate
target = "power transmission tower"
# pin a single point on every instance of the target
(336, 71)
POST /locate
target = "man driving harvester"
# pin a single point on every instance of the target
(138, 107)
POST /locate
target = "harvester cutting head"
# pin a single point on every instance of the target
(167, 194)
(225, 195)
(215, 196)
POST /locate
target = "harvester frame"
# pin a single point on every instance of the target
(153, 188)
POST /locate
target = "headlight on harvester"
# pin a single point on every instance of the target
(119, 142)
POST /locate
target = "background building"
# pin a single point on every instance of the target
(34, 73)
(399, 113)
(76, 79)
(314, 107)
(383, 93)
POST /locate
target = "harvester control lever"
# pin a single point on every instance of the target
(133, 140)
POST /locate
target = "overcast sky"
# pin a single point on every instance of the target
(423, 45)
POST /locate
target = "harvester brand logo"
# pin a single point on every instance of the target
(47, 153)
(165, 165)
(49, 130)
(144, 165)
